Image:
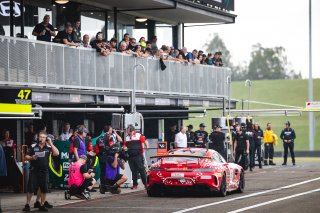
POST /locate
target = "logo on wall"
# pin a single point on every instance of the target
(5, 8)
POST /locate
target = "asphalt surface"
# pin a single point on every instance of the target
(271, 189)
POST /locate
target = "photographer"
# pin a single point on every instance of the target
(134, 145)
(103, 144)
(113, 177)
(80, 178)
(38, 155)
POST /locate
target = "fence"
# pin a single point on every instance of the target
(34, 63)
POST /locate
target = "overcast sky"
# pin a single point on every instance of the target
(271, 23)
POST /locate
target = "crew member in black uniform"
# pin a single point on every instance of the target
(218, 138)
(241, 148)
(249, 133)
(257, 136)
(190, 135)
(201, 137)
(288, 135)
(38, 155)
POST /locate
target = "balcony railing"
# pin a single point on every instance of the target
(34, 63)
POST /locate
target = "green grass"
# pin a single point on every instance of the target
(289, 92)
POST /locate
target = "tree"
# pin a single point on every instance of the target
(267, 63)
(217, 44)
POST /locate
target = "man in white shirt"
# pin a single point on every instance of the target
(66, 134)
(181, 138)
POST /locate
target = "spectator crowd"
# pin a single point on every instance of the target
(71, 36)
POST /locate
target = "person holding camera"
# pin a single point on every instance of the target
(38, 154)
(241, 146)
(80, 178)
(288, 135)
(104, 142)
(113, 177)
(134, 144)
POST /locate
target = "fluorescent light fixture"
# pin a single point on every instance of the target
(141, 19)
(61, 1)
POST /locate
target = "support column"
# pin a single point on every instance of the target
(11, 18)
(22, 18)
(180, 35)
(151, 29)
(115, 22)
(175, 39)
(106, 24)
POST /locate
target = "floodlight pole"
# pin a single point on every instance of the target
(311, 116)
(133, 93)
(229, 93)
(248, 83)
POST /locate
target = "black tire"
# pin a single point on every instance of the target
(153, 192)
(241, 183)
(223, 188)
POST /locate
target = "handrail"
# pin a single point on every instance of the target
(42, 64)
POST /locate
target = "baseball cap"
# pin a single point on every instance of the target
(84, 157)
(202, 125)
(217, 126)
(190, 126)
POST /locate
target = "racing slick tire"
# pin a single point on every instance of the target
(223, 188)
(153, 192)
(241, 183)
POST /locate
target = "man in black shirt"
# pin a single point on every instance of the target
(171, 135)
(38, 155)
(190, 135)
(249, 133)
(257, 136)
(241, 147)
(288, 135)
(201, 136)
(218, 138)
(44, 31)
(67, 36)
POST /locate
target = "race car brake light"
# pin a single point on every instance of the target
(156, 169)
(203, 170)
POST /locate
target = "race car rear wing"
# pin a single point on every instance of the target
(168, 155)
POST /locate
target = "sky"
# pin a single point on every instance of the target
(269, 22)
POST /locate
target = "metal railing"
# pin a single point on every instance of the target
(34, 63)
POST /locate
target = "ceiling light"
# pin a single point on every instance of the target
(61, 1)
(141, 19)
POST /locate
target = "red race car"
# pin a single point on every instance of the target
(196, 169)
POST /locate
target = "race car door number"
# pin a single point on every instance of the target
(177, 175)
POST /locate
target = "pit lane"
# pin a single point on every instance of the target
(262, 185)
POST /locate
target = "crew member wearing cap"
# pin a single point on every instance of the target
(241, 147)
(288, 135)
(79, 144)
(38, 155)
(190, 134)
(80, 177)
(249, 133)
(218, 138)
(201, 136)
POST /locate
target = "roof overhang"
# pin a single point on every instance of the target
(166, 11)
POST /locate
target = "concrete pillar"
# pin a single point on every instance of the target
(180, 35)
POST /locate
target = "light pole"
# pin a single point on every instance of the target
(133, 94)
(229, 93)
(248, 84)
(311, 116)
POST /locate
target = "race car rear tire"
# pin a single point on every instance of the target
(241, 183)
(152, 192)
(223, 188)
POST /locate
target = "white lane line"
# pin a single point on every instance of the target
(246, 196)
(121, 207)
(274, 201)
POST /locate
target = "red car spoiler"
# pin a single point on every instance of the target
(192, 156)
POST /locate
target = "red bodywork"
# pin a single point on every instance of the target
(193, 168)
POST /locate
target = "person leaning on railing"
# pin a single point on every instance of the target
(66, 36)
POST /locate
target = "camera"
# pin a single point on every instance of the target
(116, 148)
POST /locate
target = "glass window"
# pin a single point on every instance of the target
(92, 22)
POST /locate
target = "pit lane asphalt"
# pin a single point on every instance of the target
(260, 180)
